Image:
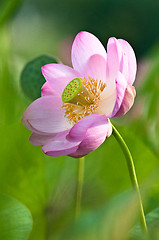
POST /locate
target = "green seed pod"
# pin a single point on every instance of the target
(71, 90)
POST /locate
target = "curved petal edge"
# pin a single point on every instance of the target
(127, 102)
(94, 137)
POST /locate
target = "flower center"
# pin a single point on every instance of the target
(81, 98)
(71, 90)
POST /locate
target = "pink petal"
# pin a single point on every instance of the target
(58, 76)
(40, 140)
(96, 67)
(84, 46)
(127, 102)
(107, 100)
(78, 131)
(47, 90)
(121, 85)
(114, 54)
(94, 137)
(45, 115)
(128, 63)
(60, 146)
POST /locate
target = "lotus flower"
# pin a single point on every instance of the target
(72, 115)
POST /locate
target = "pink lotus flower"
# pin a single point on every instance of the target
(72, 116)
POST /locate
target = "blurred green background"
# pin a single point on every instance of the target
(32, 184)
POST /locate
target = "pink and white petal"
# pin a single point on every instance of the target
(94, 137)
(107, 100)
(47, 90)
(121, 85)
(60, 146)
(96, 67)
(28, 125)
(84, 46)
(78, 131)
(127, 101)
(40, 140)
(58, 76)
(45, 115)
(114, 55)
(128, 63)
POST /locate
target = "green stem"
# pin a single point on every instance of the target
(132, 174)
(7, 7)
(79, 186)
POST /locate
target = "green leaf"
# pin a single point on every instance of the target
(32, 79)
(152, 220)
(111, 221)
(15, 219)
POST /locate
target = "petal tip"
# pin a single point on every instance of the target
(112, 40)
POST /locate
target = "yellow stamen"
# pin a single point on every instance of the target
(82, 100)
